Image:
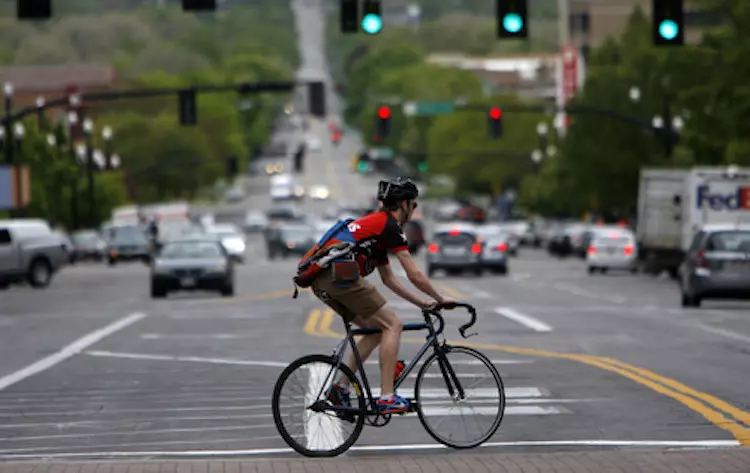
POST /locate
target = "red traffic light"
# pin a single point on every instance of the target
(384, 112)
(496, 113)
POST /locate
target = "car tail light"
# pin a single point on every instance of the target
(502, 247)
(476, 248)
(591, 250)
(433, 248)
(629, 250)
(701, 261)
(454, 233)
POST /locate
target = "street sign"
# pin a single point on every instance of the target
(428, 108)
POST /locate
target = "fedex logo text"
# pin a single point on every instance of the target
(739, 200)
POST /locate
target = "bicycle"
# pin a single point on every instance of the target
(362, 404)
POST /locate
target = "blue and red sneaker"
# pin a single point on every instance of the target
(392, 404)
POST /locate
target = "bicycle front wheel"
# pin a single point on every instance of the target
(451, 419)
(306, 416)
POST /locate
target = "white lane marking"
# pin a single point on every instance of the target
(206, 336)
(528, 321)
(108, 411)
(322, 432)
(385, 448)
(130, 421)
(139, 432)
(457, 363)
(477, 393)
(724, 333)
(195, 359)
(458, 410)
(580, 292)
(69, 351)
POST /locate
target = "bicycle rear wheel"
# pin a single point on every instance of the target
(445, 417)
(319, 431)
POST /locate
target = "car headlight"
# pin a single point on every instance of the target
(237, 246)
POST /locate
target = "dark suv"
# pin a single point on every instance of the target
(455, 251)
(717, 265)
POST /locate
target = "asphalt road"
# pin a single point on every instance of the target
(93, 367)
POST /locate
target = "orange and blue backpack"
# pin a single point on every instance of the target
(335, 246)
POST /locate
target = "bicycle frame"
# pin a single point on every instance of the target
(432, 341)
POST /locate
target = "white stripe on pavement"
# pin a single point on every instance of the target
(69, 351)
(385, 448)
(322, 431)
(528, 321)
(196, 359)
(463, 409)
(481, 393)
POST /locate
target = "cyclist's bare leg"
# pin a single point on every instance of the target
(390, 338)
(365, 347)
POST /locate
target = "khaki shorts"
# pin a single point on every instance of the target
(359, 299)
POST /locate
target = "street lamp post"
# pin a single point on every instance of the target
(107, 136)
(74, 217)
(667, 123)
(18, 132)
(88, 130)
(8, 94)
(40, 112)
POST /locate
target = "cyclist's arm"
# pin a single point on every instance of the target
(391, 282)
(416, 276)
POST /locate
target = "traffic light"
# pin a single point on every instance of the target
(317, 97)
(34, 9)
(512, 18)
(349, 16)
(199, 5)
(496, 122)
(384, 122)
(372, 21)
(188, 109)
(422, 166)
(668, 22)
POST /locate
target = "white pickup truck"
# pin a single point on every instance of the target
(29, 253)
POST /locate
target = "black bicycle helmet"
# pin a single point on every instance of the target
(397, 190)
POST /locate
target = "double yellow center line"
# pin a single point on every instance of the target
(715, 410)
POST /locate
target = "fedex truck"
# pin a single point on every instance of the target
(674, 204)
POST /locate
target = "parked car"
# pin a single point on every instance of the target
(129, 243)
(88, 245)
(717, 265)
(192, 264)
(288, 240)
(29, 253)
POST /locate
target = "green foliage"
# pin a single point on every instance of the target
(705, 84)
(153, 47)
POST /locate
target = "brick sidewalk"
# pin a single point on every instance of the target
(735, 460)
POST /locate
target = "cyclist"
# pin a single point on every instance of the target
(359, 302)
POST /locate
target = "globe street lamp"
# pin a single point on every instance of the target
(88, 130)
(107, 136)
(8, 94)
(666, 123)
(40, 102)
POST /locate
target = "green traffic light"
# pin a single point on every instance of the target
(513, 23)
(372, 23)
(422, 166)
(668, 30)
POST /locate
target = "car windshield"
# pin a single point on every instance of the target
(732, 241)
(128, 235)
(85, 238)
(456, 239)
(191, 249)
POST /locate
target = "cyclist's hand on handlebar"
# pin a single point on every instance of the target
(448, 303)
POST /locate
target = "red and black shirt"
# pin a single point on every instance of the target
(376, 234)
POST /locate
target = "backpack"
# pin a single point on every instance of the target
(335, 245)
